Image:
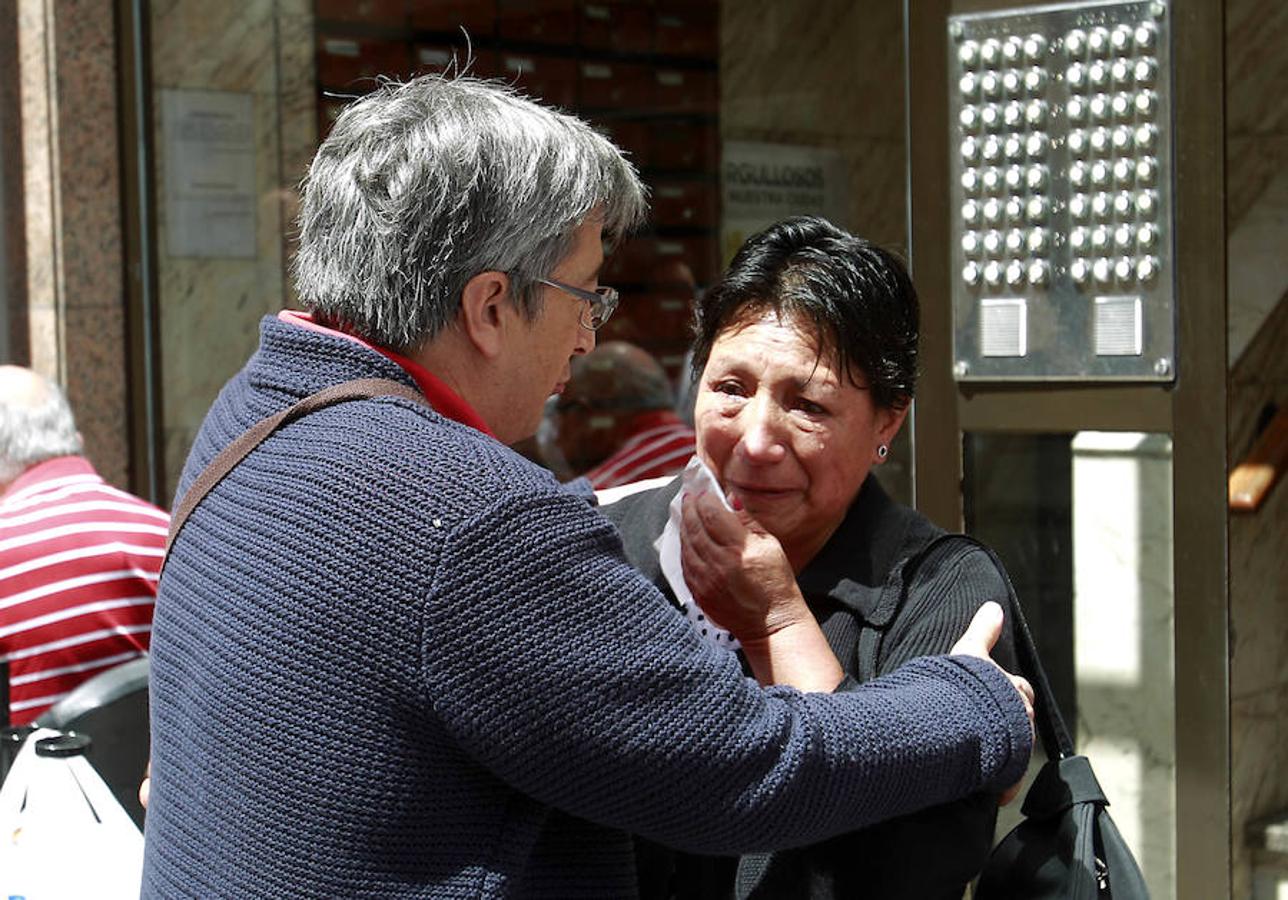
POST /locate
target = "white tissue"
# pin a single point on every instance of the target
(697, 478)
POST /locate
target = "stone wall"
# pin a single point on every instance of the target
(1257, 221)
(1258, 604)
(210, 308)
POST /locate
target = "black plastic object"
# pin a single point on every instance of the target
(67, 744)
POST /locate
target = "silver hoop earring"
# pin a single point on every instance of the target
(882, 452)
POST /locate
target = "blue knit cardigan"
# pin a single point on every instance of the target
(392, 658)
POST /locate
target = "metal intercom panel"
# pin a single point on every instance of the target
(1061, 161)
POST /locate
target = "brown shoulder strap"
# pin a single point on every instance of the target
(230, 456)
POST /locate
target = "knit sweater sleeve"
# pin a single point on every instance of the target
(560, 669)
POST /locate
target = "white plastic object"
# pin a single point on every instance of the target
(63, 834)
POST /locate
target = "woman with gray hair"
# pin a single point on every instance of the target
(411, 196)
(442, 677)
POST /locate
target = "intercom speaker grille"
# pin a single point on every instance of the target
(1003, 326)
(1118, 326)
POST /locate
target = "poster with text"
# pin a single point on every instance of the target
(762, 183)
(209, 173)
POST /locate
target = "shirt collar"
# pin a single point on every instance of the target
(58, 467)
(442, 398)
(856, 560)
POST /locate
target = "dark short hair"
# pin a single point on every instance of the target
(858, 296)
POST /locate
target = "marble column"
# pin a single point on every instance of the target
(1123, 644)
(1259, 625)
(13, 275)
(71, 216)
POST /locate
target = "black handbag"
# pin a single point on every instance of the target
(1067, 846)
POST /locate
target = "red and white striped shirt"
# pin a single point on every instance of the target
(661, 445)
(79, 562)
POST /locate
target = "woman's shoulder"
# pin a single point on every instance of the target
(925, 551)
(613, 495)
(944, 585)
(939, 555)
(642, 506)
(640, 516)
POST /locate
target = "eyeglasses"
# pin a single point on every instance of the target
(603, 301)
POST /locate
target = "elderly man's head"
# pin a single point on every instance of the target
(608, 388)
(36, 423)
(421, 186)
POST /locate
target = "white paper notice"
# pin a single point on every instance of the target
(209, 171)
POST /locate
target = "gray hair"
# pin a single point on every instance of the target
(35, 425)
(421, 186)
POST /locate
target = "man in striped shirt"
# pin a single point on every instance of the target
(615, 420)
(79, 559)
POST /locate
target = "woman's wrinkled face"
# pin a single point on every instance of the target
(786, 432)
